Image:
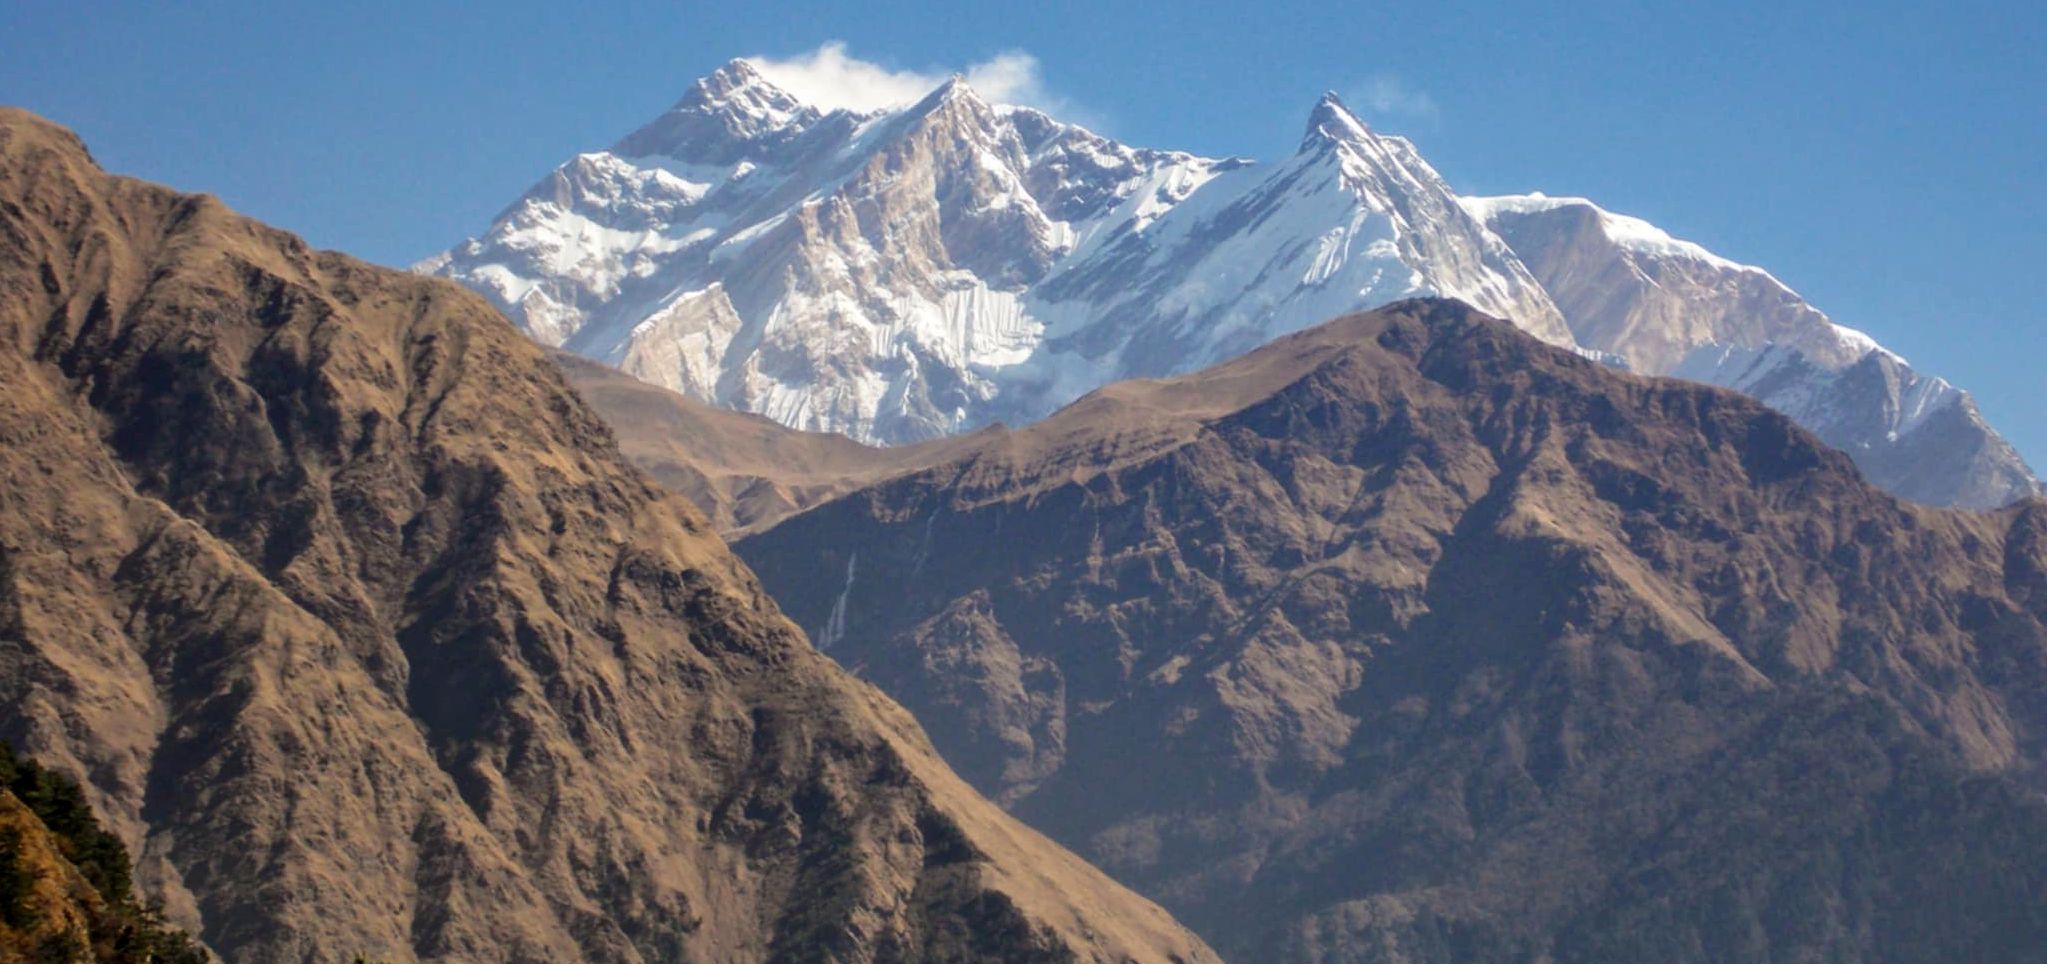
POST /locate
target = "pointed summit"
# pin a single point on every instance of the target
(738, 85)
(952, 102)
(728, 114)
(738, 70)
(955, 88)
(1332, 120)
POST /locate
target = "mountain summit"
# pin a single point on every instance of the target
(926, 270)
(730, 113)
(1332, 120)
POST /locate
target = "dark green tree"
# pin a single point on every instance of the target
(128, 931)
(16, 883)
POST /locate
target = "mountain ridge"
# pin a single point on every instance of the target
(1670, 307)
(1409, 639)
(358, 628)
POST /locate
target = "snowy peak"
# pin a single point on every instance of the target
(954, 88)
(736, 85)
(731, 113)
(1333, 122)
(1631, 288)
(927, 269)
(955, 100)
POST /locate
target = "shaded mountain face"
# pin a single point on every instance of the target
(1409, 638)
(925, 271)
(1670, 307)
(362, 635)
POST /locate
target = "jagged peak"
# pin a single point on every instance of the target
(738, 70)
(722, 113)
(739, 87)
(952, 102)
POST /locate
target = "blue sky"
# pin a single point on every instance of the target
(1883, 158)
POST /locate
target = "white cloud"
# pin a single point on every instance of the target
(1011, 77)
(830, 78)
(1389, 96)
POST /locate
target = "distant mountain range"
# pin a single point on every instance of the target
(918, 272)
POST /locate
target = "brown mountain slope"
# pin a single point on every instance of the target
(353, 619)
(744, 471)
(1410, 639)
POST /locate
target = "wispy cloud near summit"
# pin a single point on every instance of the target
(829, 78)
(1386, 95)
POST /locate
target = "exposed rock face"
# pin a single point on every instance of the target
(1669, 307)
(920, 272)
(1411, 639)
(361, 632)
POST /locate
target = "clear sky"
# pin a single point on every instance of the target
(1884, 158)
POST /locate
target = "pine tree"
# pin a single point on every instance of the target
(127, 932)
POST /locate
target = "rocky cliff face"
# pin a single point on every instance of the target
(1669, 307)
(1411, 639)
(361, 633)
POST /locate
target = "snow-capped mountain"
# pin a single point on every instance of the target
(910, 273)
(1671, 307)
(907, 273)
(1353, 219)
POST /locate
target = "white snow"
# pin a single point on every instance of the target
(1628, 231)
